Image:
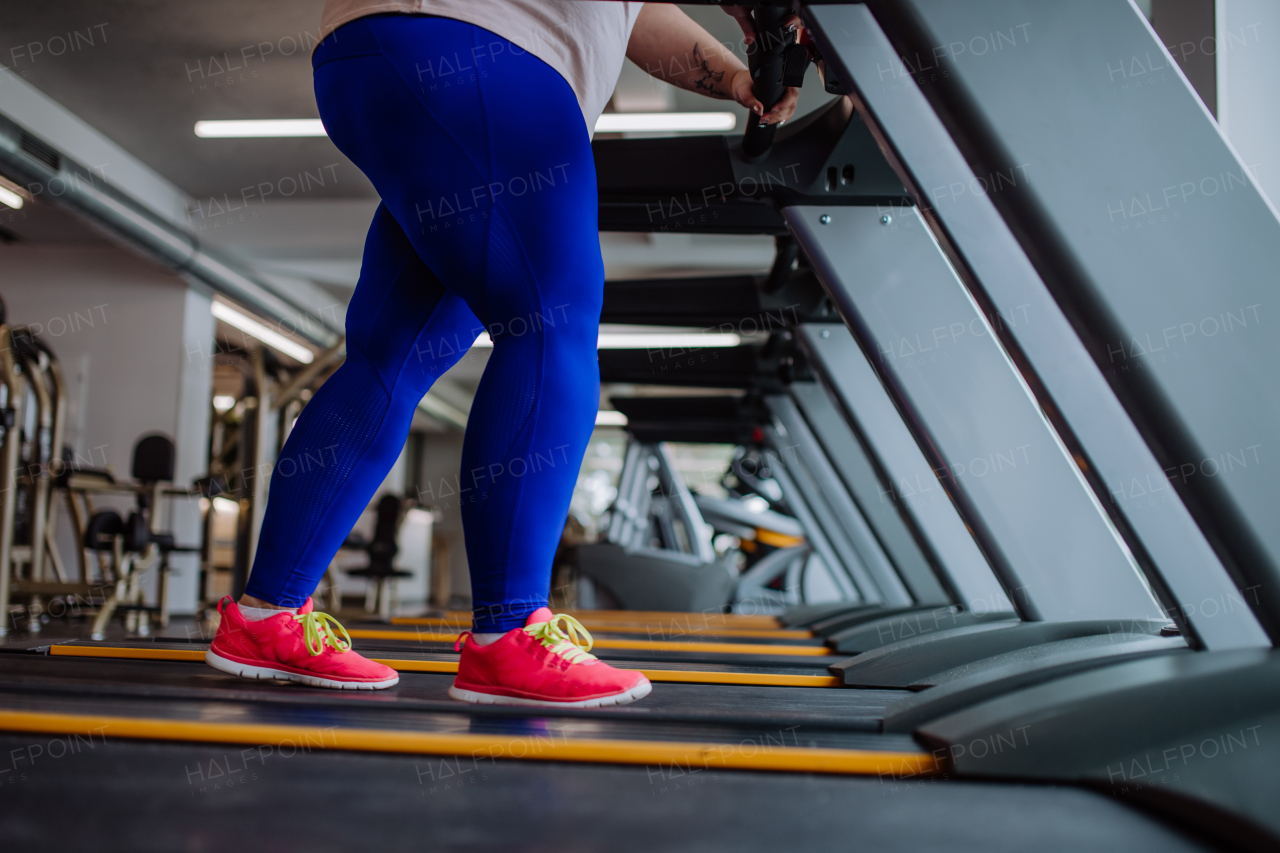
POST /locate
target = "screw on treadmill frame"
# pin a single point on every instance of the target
(825, 219)
(886, 219)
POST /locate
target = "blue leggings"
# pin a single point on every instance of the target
(488, 187)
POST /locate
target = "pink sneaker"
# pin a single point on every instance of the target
(543, 663)
(302, 648)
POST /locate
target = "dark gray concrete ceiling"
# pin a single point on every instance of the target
(144, 71)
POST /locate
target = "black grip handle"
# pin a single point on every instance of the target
(766, 58)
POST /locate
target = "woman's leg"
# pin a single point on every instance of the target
(340, 450)
(479, 151)
(352, 431)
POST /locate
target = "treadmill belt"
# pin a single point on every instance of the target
(403, 661)
(139, 796)
(631, 658)
(667, 630)
(801, 648)
(379, 726)
(370, 728)
(847, 709)
(735, 620)
(794, 729)
(768, 657)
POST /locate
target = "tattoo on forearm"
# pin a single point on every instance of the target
(704, 79)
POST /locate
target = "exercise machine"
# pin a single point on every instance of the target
(1020, 628)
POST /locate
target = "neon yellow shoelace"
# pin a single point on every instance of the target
(318, 629)
(566, 641)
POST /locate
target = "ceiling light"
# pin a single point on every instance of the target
(652, 340)
(270, 337)
(260, 128)
(608, 123)
(665, 122)
(224, 402)
(607, 417)
(676, 340)
(11, 198)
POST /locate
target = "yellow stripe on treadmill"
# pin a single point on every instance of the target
(682, 676)
(406, 636)
(671, 630)
(731, 648)
(400, 665)
(740, 620)
(776, 539)
(129, 654)
(764, 679)
(607, 618)
(677, 631)
(638, 645)
(594, 751)
(744, 619)
(674, 676)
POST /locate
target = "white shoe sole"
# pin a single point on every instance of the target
(244, 670)
(638, 692)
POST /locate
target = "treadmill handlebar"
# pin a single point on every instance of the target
(766, 58)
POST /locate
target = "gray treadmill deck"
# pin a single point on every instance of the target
(629, 658)
(143, 796)
(35, 678)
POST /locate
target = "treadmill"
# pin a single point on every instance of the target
(1054, 634)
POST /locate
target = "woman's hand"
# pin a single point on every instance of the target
(740, 88)
(672, 47)
(741, 84)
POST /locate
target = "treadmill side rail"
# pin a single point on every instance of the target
(868, 490)
(1068, 162)
(918, 662)
(876, 569)
(1001, 462)
(804, 615)
(1136, 729)
(975, 682)
(914, 488)
(911, 626)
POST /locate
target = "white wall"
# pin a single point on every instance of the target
(134, 342)
(1248, 66)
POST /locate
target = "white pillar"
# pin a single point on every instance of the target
(191, 438)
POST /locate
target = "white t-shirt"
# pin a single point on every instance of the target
(585, 42)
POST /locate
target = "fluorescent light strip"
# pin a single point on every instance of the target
(675, 340)
(270, 337)
(665, 122)
(260, 128)
(608, 417)
(694, 340)
(609, 123)
(11, 198)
